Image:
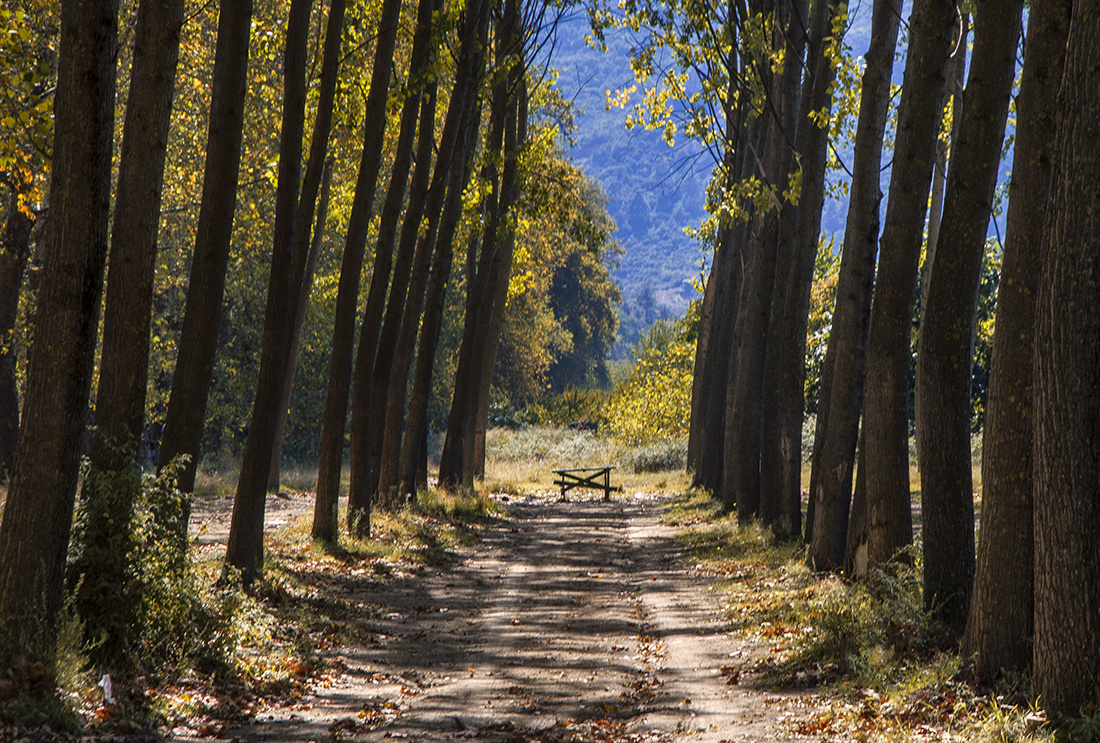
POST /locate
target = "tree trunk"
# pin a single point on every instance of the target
(884, 475)
(456, 465)
(104, 601)
(750, 390)
(781, 453)
(38, 512)
(1000, 625)
(835, 445)
(351, 267)
(15, 249)
(206, 285)
(945, 345)
(306, 251)
(244, 548)
(1066, 403)
(364, 437)
(449, 179)
(477, 26)
(297, 325)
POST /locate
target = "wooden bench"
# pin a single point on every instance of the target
(578, 477)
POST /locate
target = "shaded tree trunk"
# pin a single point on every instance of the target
(351, 267)
(15, 250)
(306, 251)
(1000, 625)
(456, 465)
(781, 452)
(364, 436)
(297, 325)
(206, 286)
(38, 512)
(1066, 402)
(886, 526)
(428, 277)
(104, 602)
(749, 390)
(945, 345)
(838, 430)
(244, 548)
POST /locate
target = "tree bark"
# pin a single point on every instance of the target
(15, 250)
(750, 391)
(945, 345)
(835, 442)
(884, 473)
(297, 325)
(306, 251)
(206, 286)
(38, 512)
(364, 436)
(1000, 626)
(1066, 402)
(244, 548)
(781, 453)
(351, 267)
(108, 496)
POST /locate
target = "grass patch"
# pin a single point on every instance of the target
(867, 649)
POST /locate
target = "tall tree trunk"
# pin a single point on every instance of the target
(456, 461)
(109, 493)
(301, 293)
(206, 286)
(1000, 625)
(15, 249)
(448, 181)
(364, 437)
(38, 512)
(749, 390)
(347, 292)
(835, 441)
(1067, 405)
(306, 250)
(781, 453)
(244, 548)
(945, 345)
(884, 471)
(712, 349)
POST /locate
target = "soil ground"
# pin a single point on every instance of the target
(568, 621)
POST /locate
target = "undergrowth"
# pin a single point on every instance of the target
(867, 648)
(204, 653)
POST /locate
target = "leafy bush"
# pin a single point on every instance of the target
(571, 405)
(654, 404)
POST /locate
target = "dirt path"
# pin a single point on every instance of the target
(573, 621)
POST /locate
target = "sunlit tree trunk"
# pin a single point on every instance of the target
(837, 431)
(946, 341)
(34, 536)
(886, 526)
(206, 286)
(108, 495)
(1067, 402)
(1000, 624)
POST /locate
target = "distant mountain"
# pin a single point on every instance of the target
(654, 190)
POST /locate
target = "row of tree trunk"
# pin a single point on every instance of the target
(418, 223)
(1033, 596)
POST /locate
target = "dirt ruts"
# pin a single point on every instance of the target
(572, 621)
